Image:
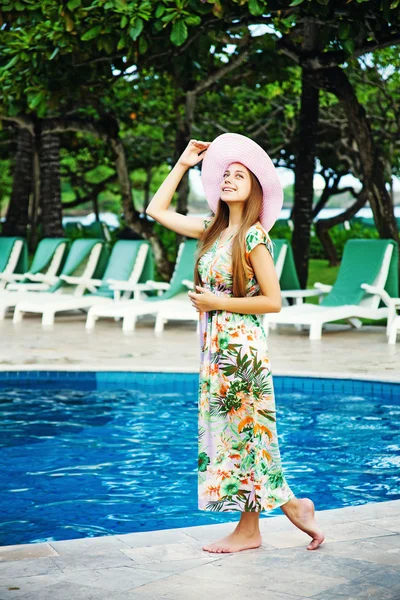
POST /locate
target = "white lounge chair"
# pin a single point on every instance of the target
(127, 263)
(45, 267)
(174, 292)
(371, 262)
(13, 258)
(393, 319)
(90, 253)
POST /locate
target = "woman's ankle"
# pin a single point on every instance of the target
(290, 508)
(248, 527)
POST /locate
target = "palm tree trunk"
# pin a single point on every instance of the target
(17, 217)
(50, 187)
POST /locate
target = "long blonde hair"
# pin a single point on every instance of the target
(240, 267)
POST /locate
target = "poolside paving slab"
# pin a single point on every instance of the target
(359, 559)
(342, 352)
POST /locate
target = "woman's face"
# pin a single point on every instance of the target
(236, 183)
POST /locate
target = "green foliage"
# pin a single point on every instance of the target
(134, 60)
(168, 239)
(5, 184)
(339, 236)
(320, 271)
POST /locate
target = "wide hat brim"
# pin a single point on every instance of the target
(233, 147)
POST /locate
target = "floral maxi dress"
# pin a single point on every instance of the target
(239, 464)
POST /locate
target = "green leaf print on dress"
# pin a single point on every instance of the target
(239, 461)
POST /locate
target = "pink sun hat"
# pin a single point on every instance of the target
(233, 147)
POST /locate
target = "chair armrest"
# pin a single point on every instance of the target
(189, 284)
(323, 287)
(159, 285)
(388, 300)
(301, 293)
(126, 286)
(42, 278)
(81, 281)
(9, 277)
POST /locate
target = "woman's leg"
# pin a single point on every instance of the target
(301, 512)
(245, 536)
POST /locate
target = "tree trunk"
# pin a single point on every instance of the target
(304, 175)
(328, 191)
(95, 202)
(182, 139)
(142, 227)
(35, 199)
(372, 167)
(17, 217)
(147, 189)
(323, 226)
(183, 136)
(130, 213)
(50, 187)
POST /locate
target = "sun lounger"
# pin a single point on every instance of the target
(13, 258)
(174, 291)
(129, 261)
(393, 319)
(46, 265)
(371, 262)
(87, 254)
(289, 281)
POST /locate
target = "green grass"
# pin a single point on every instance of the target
(319, 270)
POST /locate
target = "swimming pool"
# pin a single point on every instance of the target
(90, 454)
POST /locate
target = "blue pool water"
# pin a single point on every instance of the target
(94, 454)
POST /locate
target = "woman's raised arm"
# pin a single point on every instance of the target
(158, 208)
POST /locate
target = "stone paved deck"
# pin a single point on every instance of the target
(359, 559)
(342, 351)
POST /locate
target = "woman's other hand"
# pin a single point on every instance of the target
(204, 300)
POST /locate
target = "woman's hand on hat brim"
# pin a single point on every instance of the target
(193, 153)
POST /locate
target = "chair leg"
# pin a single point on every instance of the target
(266, 325)
(48, 318)
(129, 323)
(392, 315)
(315, 331)
(395, 326)
(357, 323)
(159, 324)
(18, 316)
(90, 321)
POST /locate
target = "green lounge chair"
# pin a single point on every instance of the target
(46, 264)
(173, 293)
(90, 255)
(365, 262)
(13, 258)
(130, 261)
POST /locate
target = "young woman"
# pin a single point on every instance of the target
(239, 461)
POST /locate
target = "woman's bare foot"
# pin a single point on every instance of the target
(235, 542)
(301, 512)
